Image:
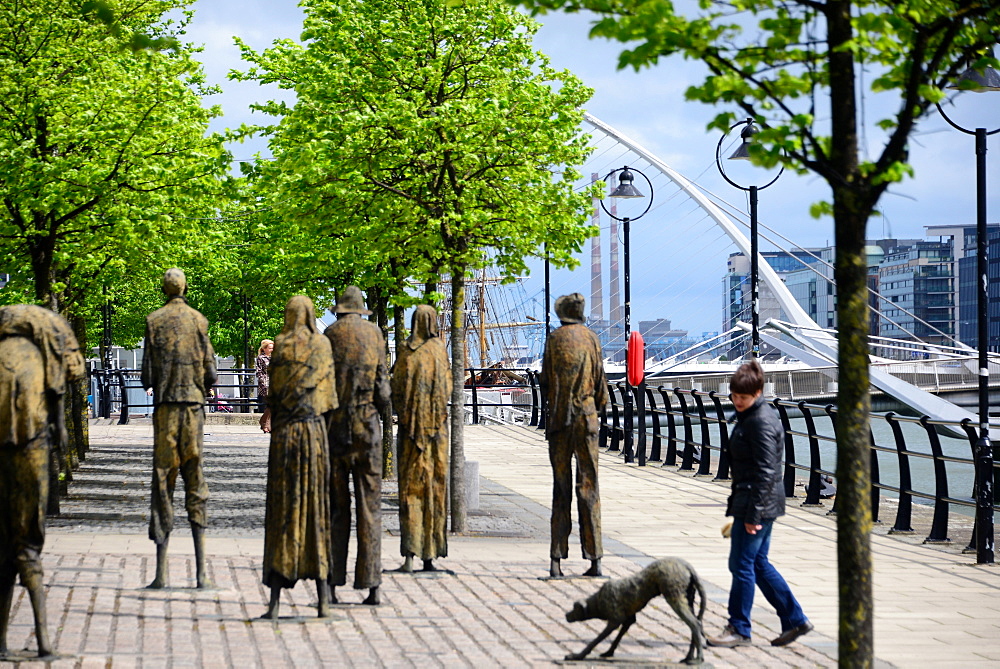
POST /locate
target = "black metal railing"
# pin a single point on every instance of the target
(689, 429)
(489, 390)
(913, 459)
(120, 391)
(502, 395)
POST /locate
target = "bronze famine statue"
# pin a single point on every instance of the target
(421, 387)
(38, 357)
(297, 516)
(178, 364)
(575, 390)
(355, 433)
(618, 601)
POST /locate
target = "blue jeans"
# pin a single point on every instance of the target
(750, 569)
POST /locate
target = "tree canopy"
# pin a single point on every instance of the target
(426, 132)
(106, 154)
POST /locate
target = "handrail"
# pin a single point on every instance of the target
(809, 450)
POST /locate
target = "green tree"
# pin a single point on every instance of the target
(103, 148)
(104, 151)
(790, 65)
(426, 137)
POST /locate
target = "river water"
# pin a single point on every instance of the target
(960, 476)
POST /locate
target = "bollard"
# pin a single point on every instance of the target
(472, 485)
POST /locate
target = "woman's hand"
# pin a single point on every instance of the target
(751, 528)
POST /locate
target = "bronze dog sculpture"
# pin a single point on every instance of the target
(618, 601)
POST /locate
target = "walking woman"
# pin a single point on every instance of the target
(263, 366)
(757, 499)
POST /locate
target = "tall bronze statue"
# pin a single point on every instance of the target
(178, 364)
(297, 516)
(575, 390)
(421, 387)
(39, 357)
(356, 443)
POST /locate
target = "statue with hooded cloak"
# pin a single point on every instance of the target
(355, 432)
(575, 389)
(178, 365)
(297, 515)
(421, 387)
(39, 358)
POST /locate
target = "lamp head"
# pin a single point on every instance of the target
(978, 80)
(625, 188)
(742, 152)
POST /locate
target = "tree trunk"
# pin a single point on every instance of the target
(41, 268)
(79, 427)
(852, 204)
(458, 398)
(854, 515)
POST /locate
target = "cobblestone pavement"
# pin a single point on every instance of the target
(494, 610)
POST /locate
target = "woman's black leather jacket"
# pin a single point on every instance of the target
(755, 452)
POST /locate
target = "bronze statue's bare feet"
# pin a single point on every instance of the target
(205, 583)
(555, 571)
(373, 598)
(45, 648)
(323, 597)
(333, 595)
(160, 575)
(273, 605)
(595, 568)
(406, 567)
(429, 566)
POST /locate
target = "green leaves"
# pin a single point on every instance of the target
(425, 135)
(106, 159)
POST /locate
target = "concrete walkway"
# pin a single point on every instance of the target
(933, 608)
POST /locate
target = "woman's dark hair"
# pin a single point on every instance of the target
(748, 379)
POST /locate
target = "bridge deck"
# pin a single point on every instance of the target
(932, 607)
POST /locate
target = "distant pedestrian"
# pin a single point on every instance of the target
(575, 389)
(261, 365)
(757, 499)
(297, 514)
(421, 388)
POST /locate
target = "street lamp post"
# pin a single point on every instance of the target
(106, 360)
(742, 153)
(548, 294)
(981, 81)
(627, 190)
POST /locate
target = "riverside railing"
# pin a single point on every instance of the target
(120, 391)
(911, 460)
(502, 395)
(493, 394)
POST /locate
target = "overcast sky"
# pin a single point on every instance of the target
(678, 260)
